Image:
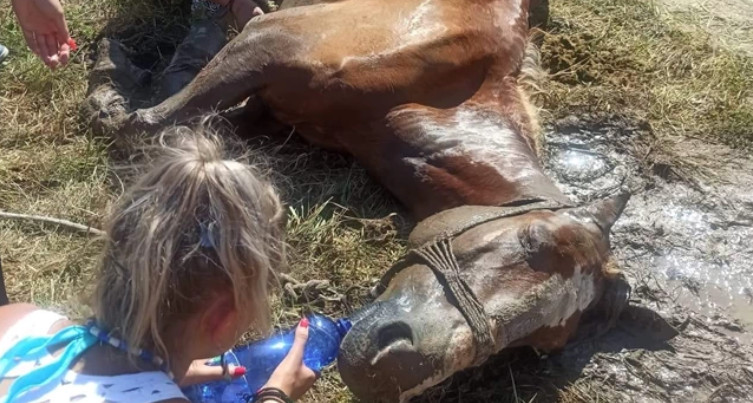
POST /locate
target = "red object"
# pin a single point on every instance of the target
(239, 371)
(72, 44)
(304, 322)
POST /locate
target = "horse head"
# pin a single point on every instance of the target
(481, 279)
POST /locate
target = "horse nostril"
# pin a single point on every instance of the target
(392, 333)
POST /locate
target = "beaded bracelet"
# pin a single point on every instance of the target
(274, 394)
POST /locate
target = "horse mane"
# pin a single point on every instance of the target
(530, 79)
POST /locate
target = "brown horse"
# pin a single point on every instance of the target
(426, 95)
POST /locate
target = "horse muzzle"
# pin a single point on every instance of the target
(406, 342)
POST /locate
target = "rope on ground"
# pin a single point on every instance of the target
(52, 220)
(312, 289)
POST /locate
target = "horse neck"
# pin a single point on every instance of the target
(474, 154)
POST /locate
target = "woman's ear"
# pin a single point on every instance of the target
(220, 321)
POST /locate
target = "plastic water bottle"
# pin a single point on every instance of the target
(262, 357)
(237, 390)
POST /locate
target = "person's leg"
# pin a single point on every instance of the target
(205, 38)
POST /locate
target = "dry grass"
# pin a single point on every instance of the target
(624, 57)
(604, 56)
(48, 165)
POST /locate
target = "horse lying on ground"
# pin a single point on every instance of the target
(426, 95)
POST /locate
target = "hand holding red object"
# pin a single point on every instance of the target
(45, 29)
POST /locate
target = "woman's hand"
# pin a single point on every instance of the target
(45, 29)
(244, 10)
(292, 376)
(199, 372)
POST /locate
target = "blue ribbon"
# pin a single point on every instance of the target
(78, 339)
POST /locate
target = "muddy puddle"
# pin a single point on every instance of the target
(690, 220)
(684, 243)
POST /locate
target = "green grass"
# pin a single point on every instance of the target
(604, 57)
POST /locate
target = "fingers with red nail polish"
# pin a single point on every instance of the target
(237, 372)
(292, 376)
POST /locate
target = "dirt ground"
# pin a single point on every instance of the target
(683, 243)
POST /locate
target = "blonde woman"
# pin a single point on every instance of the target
(190, 250)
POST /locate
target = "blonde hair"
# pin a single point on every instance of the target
(194, 224)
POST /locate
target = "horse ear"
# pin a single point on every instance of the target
(603, 212)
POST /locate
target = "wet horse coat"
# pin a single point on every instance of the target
(425, 94)
(422, 92)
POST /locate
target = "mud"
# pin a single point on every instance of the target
(690, 220)
(684, 244)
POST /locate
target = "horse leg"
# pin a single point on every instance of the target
(115, 82)
(113, 85)
(238, 71)
(205, 39)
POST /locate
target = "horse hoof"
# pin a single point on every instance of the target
(112, 83)
(113, 67)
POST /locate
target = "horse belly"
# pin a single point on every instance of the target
(360, 59)
(395, 52)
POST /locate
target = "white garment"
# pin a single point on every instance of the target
(144, 387)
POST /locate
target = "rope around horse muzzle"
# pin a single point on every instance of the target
(440, 259)
(436, 253)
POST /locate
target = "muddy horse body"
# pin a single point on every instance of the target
(426, 95)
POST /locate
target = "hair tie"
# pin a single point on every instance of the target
(207, 238)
